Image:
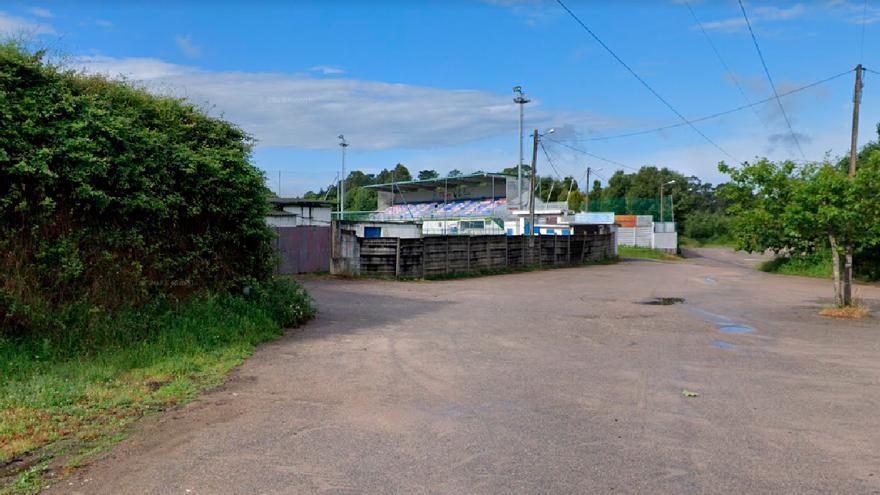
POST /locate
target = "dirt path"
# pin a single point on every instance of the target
(544, 382)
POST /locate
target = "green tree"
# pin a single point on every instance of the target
(454, 173)
(428, 174)
(781, 207)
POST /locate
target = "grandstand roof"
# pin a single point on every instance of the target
(415, 185)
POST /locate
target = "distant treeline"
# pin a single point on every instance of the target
(693, 203)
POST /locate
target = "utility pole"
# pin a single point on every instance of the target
(520, 100)
(853, 157)
(343, 144)
(587, 202)
(279, 183)
(532, 184)
(661, 201)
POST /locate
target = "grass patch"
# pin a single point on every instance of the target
(645, 253)
(73, 392)
(854, 312)
(816, 264)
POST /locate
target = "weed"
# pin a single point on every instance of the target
(854, 312)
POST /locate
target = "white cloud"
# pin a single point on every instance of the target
(532, 12)
(757, 15)
(327, 70)
(307, 112)
(186, 45)
(104, 23)
(17, 26)
(855, 12)
(41, 12)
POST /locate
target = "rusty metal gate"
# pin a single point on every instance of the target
(302, 249)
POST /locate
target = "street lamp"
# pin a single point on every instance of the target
(662, 186)
(343, 144)
(520, 99)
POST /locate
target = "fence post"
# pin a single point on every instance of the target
(447, 255)
(397, 259)
(568, 249)
(468, 265)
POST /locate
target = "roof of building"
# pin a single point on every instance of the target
(281, 202)
(415, 185)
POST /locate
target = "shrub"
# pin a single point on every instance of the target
(704, 225)
(111, 196)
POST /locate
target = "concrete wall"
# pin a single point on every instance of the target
(665, 241)
(444, 255)
(345, 251)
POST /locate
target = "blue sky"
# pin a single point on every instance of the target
(428, 84)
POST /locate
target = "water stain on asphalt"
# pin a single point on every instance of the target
(737, 329)
(722, 344)
(723, 323)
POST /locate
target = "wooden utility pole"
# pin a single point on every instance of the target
(532, 184)
(853, 157)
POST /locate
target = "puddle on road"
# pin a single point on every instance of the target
(737, 329)
(664, 301)
(723, 323)
(722, 344)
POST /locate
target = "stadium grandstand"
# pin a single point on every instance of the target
(470, 204)
(475, 204)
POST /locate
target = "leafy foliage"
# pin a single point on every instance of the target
(110, 196)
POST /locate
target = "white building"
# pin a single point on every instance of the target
(297, 212)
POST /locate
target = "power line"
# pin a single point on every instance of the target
(579, 150)
(550, 161)
(723, 63)
(644, 83)
(722, 113)
(769, 78)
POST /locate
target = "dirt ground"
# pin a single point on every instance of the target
(559, 381)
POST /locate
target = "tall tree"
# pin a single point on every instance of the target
(428, 174)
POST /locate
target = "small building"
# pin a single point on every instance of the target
(298, 212)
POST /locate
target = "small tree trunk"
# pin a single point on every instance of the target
(847, 274)
(835, 270)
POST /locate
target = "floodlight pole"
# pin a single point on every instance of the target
(520, 100)
(343, 144)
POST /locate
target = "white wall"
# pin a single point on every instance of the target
(402, 230)
(310, 215)
(666, 241)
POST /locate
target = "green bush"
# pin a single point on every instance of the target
(111, 196)
(704, 226)
(814, 264)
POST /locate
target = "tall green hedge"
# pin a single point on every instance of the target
(110, 195)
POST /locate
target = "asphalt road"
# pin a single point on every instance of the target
(546, 382)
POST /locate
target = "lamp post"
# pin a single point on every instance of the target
(342, 144)
(520, 99)
(662, 186)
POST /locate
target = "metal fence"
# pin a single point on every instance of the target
(304, 249)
